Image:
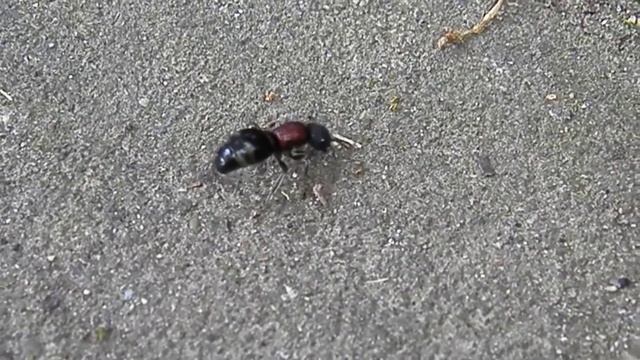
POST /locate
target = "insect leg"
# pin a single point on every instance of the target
(296, 154)
(282, 164)
(276, 186)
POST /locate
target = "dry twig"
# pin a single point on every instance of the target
(394, 104)
(459, 36)
(6, 95)
(345, 140)
(633, 21)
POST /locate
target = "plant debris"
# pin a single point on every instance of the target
(394, 104)
(459, 36)
(103, 333)
(377, 281)
(633, 21)
(196, 185)
(345, 140)
(271, 96)
(6, 95)
(551, 97)
(318, 191)
(359, 169)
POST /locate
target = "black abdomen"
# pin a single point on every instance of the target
(247, 147)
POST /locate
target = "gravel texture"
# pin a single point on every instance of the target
(484, 219)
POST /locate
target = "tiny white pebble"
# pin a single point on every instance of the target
(611, 288)
(144, 301)
(290, 292)
(143, 102)
(86, 292)
(551, 97)
(51, 258)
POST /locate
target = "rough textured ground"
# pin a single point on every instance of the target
(114, 110)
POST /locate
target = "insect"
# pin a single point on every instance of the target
(253, 145)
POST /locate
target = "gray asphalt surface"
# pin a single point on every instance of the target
(112, 112)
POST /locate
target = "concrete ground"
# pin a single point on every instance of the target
(484, 219)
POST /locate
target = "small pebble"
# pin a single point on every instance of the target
(51, 258)
(127, 295)
(194, 224)
(359, 169)
(144, 301)
(103, 333)
(486, 168)
(86, 292)
(291, 294)
(623, 282)
(551, 97)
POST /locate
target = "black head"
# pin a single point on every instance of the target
(319, 137)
